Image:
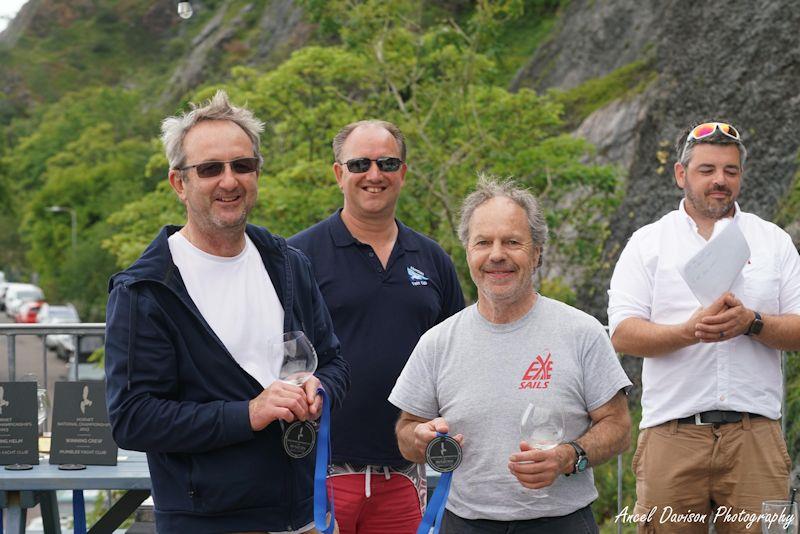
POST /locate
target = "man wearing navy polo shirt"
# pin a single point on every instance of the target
(385, 285)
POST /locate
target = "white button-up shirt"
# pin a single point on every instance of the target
(740, 374)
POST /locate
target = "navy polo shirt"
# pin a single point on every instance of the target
(378, 315)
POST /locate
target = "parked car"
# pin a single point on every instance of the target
(3, 288)
(18, 294)
(57, 314)
(88, 344)
(28, 312)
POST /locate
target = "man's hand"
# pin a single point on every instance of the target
(731, 321)
(425, 432)
(279, 401)
(314, 400)
(692, 325)
(537, 469)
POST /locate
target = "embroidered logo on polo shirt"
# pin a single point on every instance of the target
(538, 374)
(416, 276)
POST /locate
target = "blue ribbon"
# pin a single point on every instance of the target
(323, 505)
(78, 512)
(432, 520)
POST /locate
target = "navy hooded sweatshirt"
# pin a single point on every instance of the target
(175, 392)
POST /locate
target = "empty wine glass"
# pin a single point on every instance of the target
(778, 517)
(299, 358)
(542, 428)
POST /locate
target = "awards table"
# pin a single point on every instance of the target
(20, 490)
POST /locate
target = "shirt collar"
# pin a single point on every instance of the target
(343, 238)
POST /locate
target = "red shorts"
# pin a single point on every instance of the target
(392, 504)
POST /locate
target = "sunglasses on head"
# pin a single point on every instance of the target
(211, 169)
(701, 131)
(706, 129)
(363, 164)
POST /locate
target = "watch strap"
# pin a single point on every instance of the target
(755, 327)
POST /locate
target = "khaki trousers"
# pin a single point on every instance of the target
(689, 475)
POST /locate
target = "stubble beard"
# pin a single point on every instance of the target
(708, 210)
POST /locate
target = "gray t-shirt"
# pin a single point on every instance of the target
(480, 377)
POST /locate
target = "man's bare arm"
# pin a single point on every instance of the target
(639, 337)
(609, 435)
(781, 332)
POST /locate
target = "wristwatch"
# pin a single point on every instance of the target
(755, 326)
(581, 462)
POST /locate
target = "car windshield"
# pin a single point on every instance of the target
(29, 295)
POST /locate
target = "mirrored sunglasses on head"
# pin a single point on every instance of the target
(707, 129)
(358, 165)
(701, 131)
(212, 169)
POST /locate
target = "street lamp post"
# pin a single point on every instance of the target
(73, 220)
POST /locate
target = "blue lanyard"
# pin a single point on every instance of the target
(323, 505)
(432, 520)
(78, 512)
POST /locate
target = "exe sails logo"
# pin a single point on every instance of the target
(539, 373)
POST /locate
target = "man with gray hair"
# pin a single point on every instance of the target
(385, 285)
(191, 377)
(710, 439)
(513, 355)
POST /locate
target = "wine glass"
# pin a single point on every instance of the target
(778, 517)
(299, 358)
(542, 428)
(43, 402)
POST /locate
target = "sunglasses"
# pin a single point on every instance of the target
(212, 169)
(363, 164)
(704, 130)
(701, 131)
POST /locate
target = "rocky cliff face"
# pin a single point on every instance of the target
(737, 61)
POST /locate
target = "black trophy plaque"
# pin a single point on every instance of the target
(299, 439)
(443, 454)
(81, 432)
(19, 428)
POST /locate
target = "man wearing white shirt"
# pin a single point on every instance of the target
(710, 441)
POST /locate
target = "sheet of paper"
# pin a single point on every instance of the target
(712, 271)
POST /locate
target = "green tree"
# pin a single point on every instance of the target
(438, 85)
(91, 175)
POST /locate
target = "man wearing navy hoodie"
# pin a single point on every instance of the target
(191, 379)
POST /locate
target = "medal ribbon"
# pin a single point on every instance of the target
(78, 512)
(323, 505)
(432, 520)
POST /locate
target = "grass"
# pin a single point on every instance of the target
(624, 82)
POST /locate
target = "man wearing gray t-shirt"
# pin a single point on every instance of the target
(477, 372)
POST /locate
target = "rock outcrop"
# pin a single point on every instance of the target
(737, 61)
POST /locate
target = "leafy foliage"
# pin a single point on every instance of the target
(83, 153)
(439, 86)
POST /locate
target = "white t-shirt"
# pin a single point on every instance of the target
(238, 301)
(480, 377)
(740, 374)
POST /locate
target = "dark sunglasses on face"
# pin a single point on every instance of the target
(363, 164)
(212, 169)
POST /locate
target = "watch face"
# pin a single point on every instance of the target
(582, 464)
(756, 327)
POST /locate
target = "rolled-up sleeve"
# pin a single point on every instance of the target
(631, 289)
